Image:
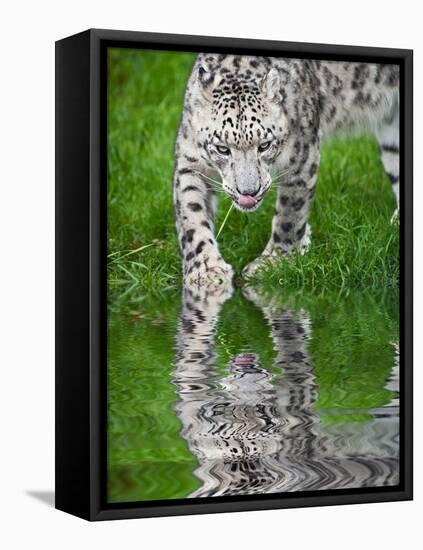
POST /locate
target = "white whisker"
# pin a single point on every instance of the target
(283, 173)
(217, 183)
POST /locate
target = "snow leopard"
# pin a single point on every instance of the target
(250, 122)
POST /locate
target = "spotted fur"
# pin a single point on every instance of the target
(250, 122)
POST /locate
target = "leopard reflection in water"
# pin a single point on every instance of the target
(254, 431)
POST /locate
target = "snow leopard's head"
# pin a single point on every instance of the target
(242, 127)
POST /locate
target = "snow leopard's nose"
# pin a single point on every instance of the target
(252, 193)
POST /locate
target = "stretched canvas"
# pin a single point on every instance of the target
(251, 274)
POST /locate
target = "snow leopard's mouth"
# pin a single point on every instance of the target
(247, 203)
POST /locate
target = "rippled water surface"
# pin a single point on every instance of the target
(236, 393)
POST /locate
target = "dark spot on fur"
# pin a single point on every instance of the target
(189, 188)
(195, 206)
(183, 171)
(390, 148)
(313, 169)
(200, 247)
(298, 204)
(191, 159)
(301, 231)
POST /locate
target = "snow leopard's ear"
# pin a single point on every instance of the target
(271, 85)
(206, 80)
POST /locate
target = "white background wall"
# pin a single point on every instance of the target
(28, 32)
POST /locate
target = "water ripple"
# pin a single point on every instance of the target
(257, 430)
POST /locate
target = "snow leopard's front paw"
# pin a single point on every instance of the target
(395, 219)
(259, 264)
(208, 271)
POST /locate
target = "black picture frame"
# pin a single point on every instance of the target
(81, 313)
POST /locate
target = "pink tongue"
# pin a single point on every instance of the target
(246, 200)
(243, 359)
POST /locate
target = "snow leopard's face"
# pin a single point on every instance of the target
(242, 129)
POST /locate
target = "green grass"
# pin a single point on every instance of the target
(353, 243)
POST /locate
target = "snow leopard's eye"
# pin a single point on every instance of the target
(264, 146)
(223, 150)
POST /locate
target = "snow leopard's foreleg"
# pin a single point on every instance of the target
(290, 228)
(194, 205)
(388, 137)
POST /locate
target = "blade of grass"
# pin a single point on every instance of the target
(132, 251)
(128, 273)
(225, 220)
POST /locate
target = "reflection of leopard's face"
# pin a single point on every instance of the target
(244, 419)
(242, 128)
